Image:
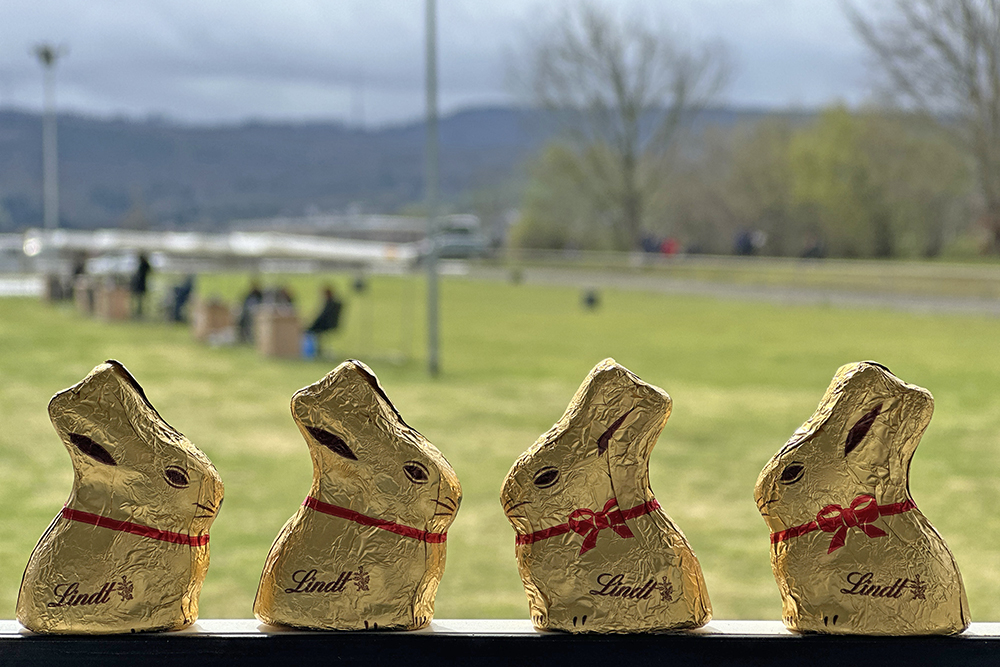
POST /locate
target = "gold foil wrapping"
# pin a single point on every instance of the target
(129, 551)
(367, 548)
(850, 551)
(595, 551)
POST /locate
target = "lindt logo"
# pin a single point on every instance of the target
(864, 584)
(70, 595)
(308, 581)
(614, 585)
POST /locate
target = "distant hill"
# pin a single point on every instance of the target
(163, 174)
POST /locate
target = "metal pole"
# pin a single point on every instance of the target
(431, 178)
(48, 55)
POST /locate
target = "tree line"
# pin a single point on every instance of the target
(916, 176)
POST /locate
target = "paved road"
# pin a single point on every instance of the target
(772, 294)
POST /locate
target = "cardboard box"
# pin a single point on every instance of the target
(211, 318)
(277, 332)
(83, 295)
(112, 302)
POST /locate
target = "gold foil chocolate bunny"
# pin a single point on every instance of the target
(850, 551)
(367, 547)
(129, 550)
(595, 551)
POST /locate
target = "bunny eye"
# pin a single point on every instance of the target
(416, 472)
(332, 442)
(792, 473)
(92, 449)
(546, 477)
(176, 477)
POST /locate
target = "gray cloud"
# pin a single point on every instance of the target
(223, 60)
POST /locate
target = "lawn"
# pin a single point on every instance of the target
(742, 375)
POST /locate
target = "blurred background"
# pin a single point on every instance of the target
(482, 201)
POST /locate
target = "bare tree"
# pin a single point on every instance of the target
(944, 56)
(621, 89)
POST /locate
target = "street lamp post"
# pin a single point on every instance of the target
(431, 181)
(47, 56)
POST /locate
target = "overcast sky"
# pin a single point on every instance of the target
(361, 61)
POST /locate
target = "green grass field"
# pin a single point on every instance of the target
(743, 376)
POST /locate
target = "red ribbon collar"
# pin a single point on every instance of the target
(134, 528)
(589, 524)
(862, 513)
(357, 517)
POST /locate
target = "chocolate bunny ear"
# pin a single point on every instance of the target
(605, 439)
(108, 395)
(130, 381)
(373, 382)
(92, 449)
(889, 415)
(612, 401)
(332, 442)
(860, 429)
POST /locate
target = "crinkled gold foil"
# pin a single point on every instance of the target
(595, 551)
(850, 551)
(367, 548)
(129, 551)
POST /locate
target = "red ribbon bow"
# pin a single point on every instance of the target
(589, 523)
(864, 510)
(836, 519)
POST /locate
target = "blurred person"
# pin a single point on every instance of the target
(813, 248)
(743, 242)
(177, 304)
(139, 284)
(250, 302)
(79, 264)
(328, 319)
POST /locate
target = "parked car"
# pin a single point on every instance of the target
(458, 237)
